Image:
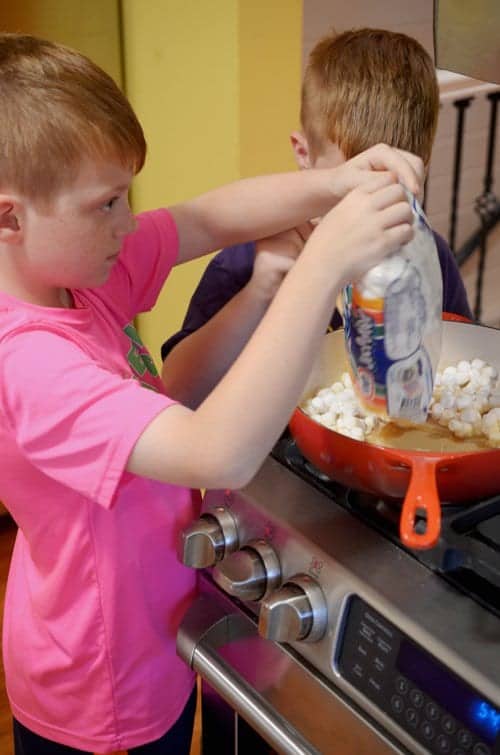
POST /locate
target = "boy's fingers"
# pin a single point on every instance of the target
(399, 235)
(392, 202)
(409, 168)
(397, 214)
(376, 181)
(388, 194)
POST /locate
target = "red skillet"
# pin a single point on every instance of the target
(425, 472)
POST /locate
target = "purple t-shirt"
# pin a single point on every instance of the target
(231, 269)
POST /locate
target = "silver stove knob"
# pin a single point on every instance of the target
(209, 539)
(297, 611)
(250, 573)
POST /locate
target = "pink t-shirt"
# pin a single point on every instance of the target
(95, 591)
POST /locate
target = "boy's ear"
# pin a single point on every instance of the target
(300, 147)
(9, 225)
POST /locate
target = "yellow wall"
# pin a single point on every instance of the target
(181, 77)
(216, 85)
(269, 35)
(93, 26)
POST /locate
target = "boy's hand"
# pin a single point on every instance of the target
(274, 257)
(372, 221)
(404, 166)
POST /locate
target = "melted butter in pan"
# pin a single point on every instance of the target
(428, 437)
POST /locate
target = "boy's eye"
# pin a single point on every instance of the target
(109, 204)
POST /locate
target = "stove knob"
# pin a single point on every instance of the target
(297, 611)
(250, 573)
(209, 539)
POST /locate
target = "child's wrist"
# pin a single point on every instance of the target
(262, 292)
(330, 187)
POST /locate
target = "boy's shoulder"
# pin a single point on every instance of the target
(441, 243)
(35, 333)
(454, 292)
(227, 272)
(445, 254)
(17, 316)
(236, 260)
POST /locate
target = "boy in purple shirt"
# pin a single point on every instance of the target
(360, 87)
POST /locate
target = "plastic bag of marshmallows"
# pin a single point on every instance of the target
(393, 324)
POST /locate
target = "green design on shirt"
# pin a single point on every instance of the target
(138, 356)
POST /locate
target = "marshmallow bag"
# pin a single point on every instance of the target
(393, 327)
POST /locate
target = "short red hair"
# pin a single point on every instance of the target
(366, 86)
(57, 107)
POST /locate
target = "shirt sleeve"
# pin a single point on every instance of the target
(454, 293)
(146, 259)
(73, 420)
(226, 274)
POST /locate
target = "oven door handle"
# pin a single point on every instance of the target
(206, 627)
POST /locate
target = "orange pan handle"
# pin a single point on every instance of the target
(422, 494)
(452, 317)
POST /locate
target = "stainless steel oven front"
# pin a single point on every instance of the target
(325, 637)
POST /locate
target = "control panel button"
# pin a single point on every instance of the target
(449, 724)
(397, 703)
(297, 611)
(383, 646)
(250, 573)
(412, 717)
(375, 684)
(367, 632)
(481, 749)
(464, 738)
(402, 685)
(432, 711)
(358, 670)
(416, 698)
(443, 743)
(209, 539)
(427, 730)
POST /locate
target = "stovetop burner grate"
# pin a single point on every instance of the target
(468, 552)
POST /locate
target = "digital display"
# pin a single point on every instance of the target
(486, 718)
(450, 692)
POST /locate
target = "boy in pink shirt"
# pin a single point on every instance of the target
(97, 464)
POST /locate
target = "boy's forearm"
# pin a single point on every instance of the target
(264, 205)
(250, 209)
(233, 429)
(284, 345)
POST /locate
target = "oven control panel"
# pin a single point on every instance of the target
(425, 698)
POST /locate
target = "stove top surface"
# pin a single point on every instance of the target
(468, 552)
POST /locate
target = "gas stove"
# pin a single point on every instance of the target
(307, 590)
(468, 552)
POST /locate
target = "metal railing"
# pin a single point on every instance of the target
(486, 205)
